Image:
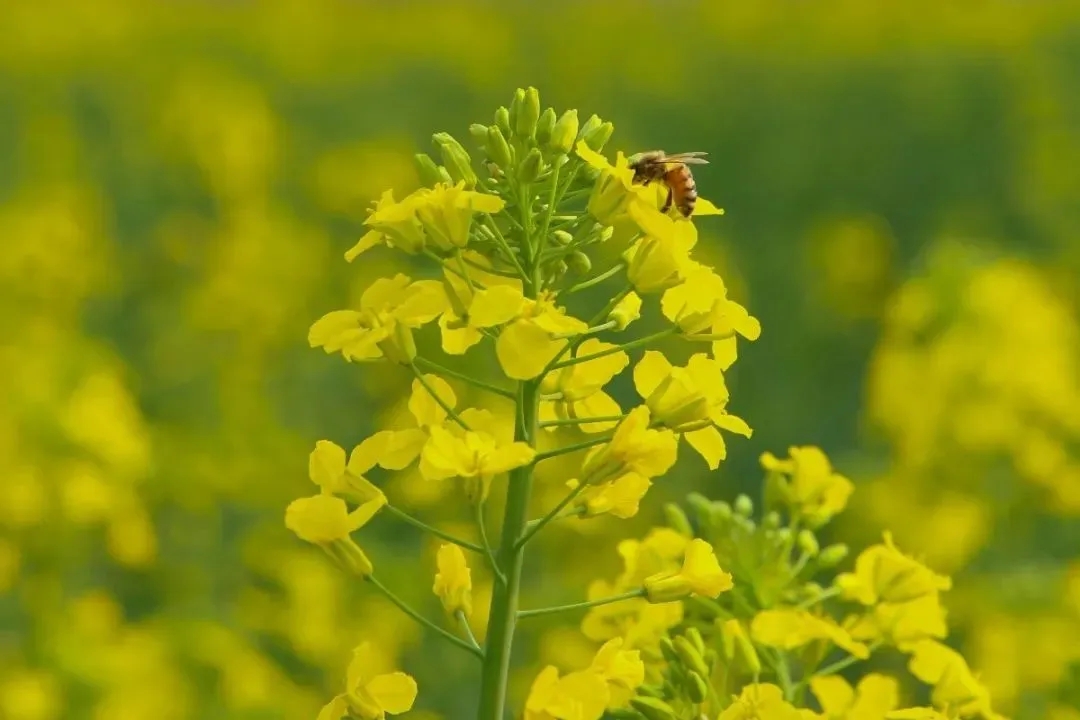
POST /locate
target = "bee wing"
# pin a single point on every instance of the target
(689, 158)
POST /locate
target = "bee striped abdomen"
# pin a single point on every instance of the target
(683, 189)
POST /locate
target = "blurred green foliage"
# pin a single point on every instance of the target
(178, 182)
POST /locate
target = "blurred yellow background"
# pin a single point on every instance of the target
(180, 179)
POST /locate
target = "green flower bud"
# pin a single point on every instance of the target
(667, 647)
(502, 121)
(655, 691)
(565, 132)
(783, 536)
(624, 714)
(497, 148)
(653, 708)
(690, 656)
(560, 268)
(528, 114)
(694, 636)
(696, 688)
(701, 506)
(744, 506)
(579, 262)
(808, 542)
(455, 158)
(598, 138)
(721, 512)
(771, 521)
(590, 125)
(833, 555)
(530, 168)
(478, 133)
(562, 237)
(430, 174)
(544, 127)
(515, 110)
(677, 520)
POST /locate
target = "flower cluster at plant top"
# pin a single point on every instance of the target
(512, 247)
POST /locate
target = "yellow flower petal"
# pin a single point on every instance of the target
(524, 349)
(710, 445)
(424, 407)
(495, 306)
(370, 239)
(395, 692)
(326, 465)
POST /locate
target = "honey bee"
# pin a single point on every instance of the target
(674, 172)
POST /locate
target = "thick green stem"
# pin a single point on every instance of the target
(502, 615)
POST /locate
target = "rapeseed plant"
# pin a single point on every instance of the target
(717, 616)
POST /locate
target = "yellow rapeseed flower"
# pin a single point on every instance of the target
(370, 696)
(955, 686)
(389, 309)
(701, 574)
(327, 469)
(393, 224)
(447, 213)
(884, 574)
(762, 701)
(471, 454)
(814, 491)
(634, 447)
(325, 520)
(581, 695)
(397, 449)
(614, 191)
(902, 624)
(691, 400)
(622, 670)
(791, 628)
(481, 301)
(535, 337)
(874, 696)
(659, 261)
(699, 306)
(580, 388)
(453, 581)
(620, 497)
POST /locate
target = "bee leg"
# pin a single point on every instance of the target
(667, 202)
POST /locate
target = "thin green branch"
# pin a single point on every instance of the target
(442, 403)
(491, 271)
(405, 608)
(596, 330)
(811, 602)
(460, 615)
(421, 525)
(596, 280)
(534, 527)
(633, 344)
(437, 368)
(481, 526)
(581, 421)
(553, 200)
(640, 592)
(500, 240)
(567, 449)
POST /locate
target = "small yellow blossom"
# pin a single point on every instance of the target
(902, 624)
(453, 582)
(393, 224)
(875, 696)
(535, 337)
(701, 309)
(700, 575)
(447, 213)
(471, 454)
(622, 669)
(582, 695)
(580, 388)
(761, 701)
(814, 491)
(638, 622)
(620, 497)
(955, 686)
(691, 400)
(614, 191)
(389, 309)
(473, 308)
(735, 638)
(790, 628)
(397, 449)
(325, 520)
(884, 574)
(634, 447)
(660, 260)
(626, 311)
(369, 696)
(327, 469)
